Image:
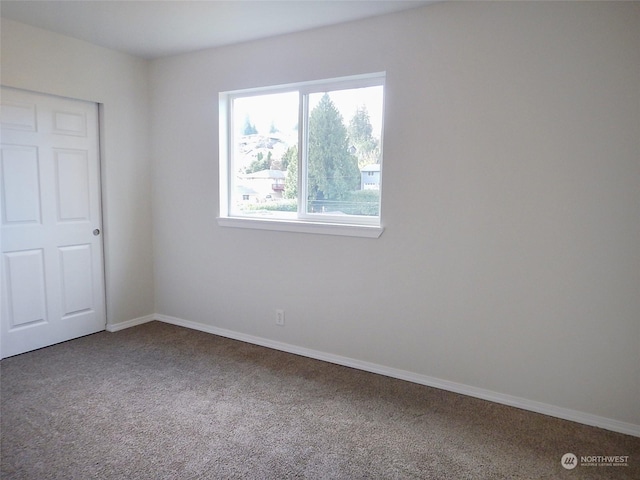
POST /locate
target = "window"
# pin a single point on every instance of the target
(303, 157)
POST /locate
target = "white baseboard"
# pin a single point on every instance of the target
(114, 327)
(512, 401)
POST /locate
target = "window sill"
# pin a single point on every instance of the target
(298, 226)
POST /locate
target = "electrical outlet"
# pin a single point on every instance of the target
(280, 317)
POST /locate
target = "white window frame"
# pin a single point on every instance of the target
(349, 225)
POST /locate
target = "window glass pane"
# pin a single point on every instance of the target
(264, 155)
(344, 152)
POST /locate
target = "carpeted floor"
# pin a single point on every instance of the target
(163, 402)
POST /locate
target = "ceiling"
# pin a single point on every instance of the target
(155, 28)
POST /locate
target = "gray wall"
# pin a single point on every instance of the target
(511, 263)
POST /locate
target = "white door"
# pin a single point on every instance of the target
(51, 230)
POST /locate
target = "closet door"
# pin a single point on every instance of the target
(51, 228)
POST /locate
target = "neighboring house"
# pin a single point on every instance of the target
(267, 184)
(248, 194)
(370, 177)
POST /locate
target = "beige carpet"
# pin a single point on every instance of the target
(164, 402)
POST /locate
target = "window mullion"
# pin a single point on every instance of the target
(226, 153)
(303, 128)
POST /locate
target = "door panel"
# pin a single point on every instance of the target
(18, 115)
(70, 123)
(72, 178)
(77, 280)
(20, 184)
(52, 263)
(25, 286)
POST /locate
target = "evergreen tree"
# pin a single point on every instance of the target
(259, 164)
(291, 155)
(249, 128)
(361, 138)
(291, 181)
(332, 171)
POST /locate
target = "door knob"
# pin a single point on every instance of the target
(96, 232)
